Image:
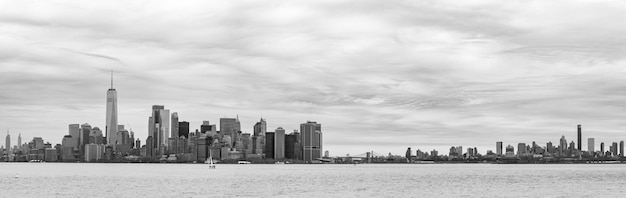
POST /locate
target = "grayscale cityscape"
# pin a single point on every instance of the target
(214, 98)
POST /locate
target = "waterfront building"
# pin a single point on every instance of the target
(279, 143)
(174, 128)
(521, 149)
(580, 143)
(182, 145)
(621, 148)
(563, 146)
(269, 145)
(293, 146)
(570, 150)
(591, 145)
(111, 115)
(258, 144)
(510, 151)
(94, 152)
(246, 140)
(202, 149)
(150, 147)
(614, 149)
(602, 148)
(499, 148)
(231, 127)
(172, 145)
(550, 148)
(311, 140)
(434, 153)
(50, 155)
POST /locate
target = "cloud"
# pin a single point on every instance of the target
(379, 76)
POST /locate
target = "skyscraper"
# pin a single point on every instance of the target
(74, 131)
(311, 140)
(563, 145)
(231, 127)
(293, 146)
(174, 123)
(602, 148)
(591, 145)
(621, 148)
(260, 128)
(279, 143)
(19, 140)
(209, 128)
(111, 119)
(580, 140)
(269, 145)
(499, 148)
(521, 149)
(183, 129)
(8, 142)
(159, 127)
(83, 139)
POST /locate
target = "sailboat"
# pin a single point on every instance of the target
(210, 162)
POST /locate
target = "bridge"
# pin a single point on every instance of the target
(364, 155)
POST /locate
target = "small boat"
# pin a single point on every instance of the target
(210, 162)
(17, 176)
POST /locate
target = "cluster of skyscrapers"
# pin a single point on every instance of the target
(170, 140)
(563, 149)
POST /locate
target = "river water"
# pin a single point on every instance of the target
(319, 180)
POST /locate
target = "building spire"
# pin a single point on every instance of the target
(111, 79)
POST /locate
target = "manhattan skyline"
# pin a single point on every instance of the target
(381, 76)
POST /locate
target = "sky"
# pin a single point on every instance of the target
(378, 75)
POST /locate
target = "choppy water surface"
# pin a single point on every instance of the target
(328, 180)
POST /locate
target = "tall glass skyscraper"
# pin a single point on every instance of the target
(591, 145)
(111, 120)
(159, 126)
(8, 142)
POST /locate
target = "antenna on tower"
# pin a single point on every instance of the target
(111, 79)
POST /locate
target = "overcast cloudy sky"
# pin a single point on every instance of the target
(378, 75)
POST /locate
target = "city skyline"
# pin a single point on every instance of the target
(381, 76)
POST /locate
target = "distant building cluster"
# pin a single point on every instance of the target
(563, 151)
(170, 140)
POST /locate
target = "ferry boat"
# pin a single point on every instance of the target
(243, 162)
